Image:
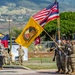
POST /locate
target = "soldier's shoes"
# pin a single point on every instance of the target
(73, 72)
(57, 71)
(68, 72)
(61, 72)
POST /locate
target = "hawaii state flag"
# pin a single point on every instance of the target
(4, 41)
(51, 12)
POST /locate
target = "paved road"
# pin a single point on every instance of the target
(26, 71)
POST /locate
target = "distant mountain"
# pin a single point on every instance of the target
(21, 10)
(23, 6)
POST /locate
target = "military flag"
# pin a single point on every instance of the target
(4, 41)
(51, 12)
(29, 33)
(37, 40)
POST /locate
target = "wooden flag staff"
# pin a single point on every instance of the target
(58, 23)
(53, 40)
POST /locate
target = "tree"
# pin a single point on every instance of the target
(67, 25)
(16, 32)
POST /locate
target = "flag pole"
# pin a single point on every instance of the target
(58, 28)
(58, 23)
(53, 40)
(10, 35)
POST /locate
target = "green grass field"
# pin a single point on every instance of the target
(40, 63)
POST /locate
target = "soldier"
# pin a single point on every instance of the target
(69, 52)
(73, 57)
(1, 54)
(6, 57)
(64, 56)
(21, 54)
(57, 56)
(10, 57)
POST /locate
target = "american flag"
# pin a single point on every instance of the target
(47, 14)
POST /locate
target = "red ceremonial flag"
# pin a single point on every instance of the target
(4, 41)
(37, 41)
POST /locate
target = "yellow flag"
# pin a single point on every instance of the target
(29, 33)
